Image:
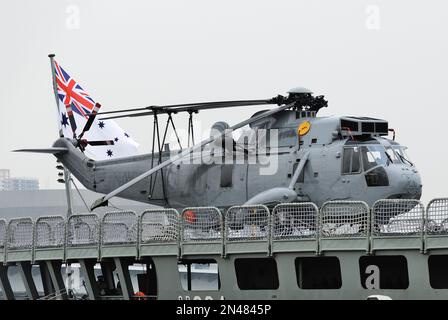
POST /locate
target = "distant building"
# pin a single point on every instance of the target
(19, 184)
(8, 183)
(4, 174)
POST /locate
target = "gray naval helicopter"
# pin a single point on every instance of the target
(317, 159)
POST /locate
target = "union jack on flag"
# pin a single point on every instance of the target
(72, 94)
(74, 107)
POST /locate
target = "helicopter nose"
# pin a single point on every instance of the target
(411, 182)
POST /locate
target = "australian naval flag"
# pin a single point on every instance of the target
(71, 93)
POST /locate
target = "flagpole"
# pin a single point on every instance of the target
(67, 175)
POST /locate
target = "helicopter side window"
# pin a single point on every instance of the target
(351, 161)
(226, 175)
(356, 161)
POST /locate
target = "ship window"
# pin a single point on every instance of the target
(438, 276)
(256, 273)
(351, 161)
(384, 272)
(318, 272)
(199, 275)
(145, 275)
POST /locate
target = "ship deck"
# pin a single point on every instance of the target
(203, 233)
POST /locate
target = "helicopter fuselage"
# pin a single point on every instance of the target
(342, 164)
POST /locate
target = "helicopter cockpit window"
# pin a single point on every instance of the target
(373, 156)
(351, 161)
(393, 156)
(402, 154)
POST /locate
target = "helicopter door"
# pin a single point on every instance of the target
(351, 177)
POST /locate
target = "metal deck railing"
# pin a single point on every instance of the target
(288, 227)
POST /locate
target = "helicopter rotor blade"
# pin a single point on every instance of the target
(198, 104)
(71, 118)
(103, 200)
(53, 150)
(101, 143)
(91, 119)
(194, 108)
(140, 114)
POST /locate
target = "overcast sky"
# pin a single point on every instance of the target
(385, 59)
